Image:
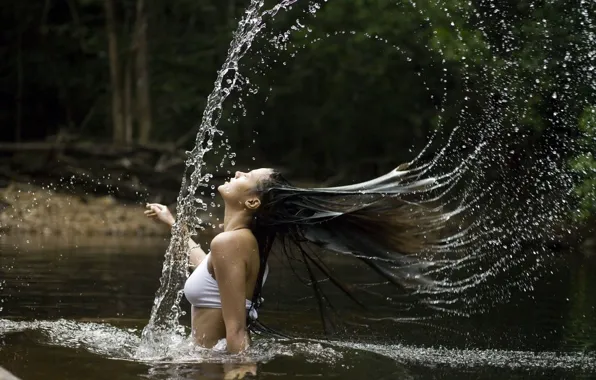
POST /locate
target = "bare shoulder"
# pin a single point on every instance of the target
(233, 242)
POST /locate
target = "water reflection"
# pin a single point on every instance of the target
(79, 278)
(580, 329)
(74, 308)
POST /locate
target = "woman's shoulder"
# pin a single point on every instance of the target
(239, 239)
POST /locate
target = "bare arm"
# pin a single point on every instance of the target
(163, 214)
(230, 267)
(196, 253)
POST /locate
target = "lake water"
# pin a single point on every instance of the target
(74, 309)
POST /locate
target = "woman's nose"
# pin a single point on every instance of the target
(237, 174)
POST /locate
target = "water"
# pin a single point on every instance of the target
(78, 311)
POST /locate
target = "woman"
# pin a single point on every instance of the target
(383, 222)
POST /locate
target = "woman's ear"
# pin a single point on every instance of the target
(252, 203)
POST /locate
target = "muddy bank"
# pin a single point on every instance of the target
(26, 209)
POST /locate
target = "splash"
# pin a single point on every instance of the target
(509, 198)
(499, 222)
(120, 344)
(97, 338)
(163, 328)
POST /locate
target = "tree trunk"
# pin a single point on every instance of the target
(142, 74)
(19, 92)
(128, 111)
(117, 116)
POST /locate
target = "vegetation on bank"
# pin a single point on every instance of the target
(584, 166)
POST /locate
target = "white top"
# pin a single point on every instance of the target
(201, 289)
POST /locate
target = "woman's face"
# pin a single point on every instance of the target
(243, 185)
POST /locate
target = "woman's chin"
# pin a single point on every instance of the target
(224, 189)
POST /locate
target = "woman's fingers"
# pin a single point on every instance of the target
(155, 206)
(156, 209)
(159, 212)
(151, 212)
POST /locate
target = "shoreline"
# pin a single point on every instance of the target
(32, 210)
(39, 212)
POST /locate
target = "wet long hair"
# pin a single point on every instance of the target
(389, 223)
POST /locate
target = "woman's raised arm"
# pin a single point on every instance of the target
(162, 213)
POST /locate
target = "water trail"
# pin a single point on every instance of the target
(470, 358)
(502, 258)
(116, 343)
(163, 328)
(98, 338)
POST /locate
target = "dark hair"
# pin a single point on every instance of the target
(384, 222)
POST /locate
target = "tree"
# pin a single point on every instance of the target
(118, 117)
(142, 74)
(584, 165)
(129, 106)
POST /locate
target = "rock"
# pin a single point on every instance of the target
(5, 375)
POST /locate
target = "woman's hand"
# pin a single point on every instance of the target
(161, 213)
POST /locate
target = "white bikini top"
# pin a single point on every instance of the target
(201, 289)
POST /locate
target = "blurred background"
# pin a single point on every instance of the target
(104, 97)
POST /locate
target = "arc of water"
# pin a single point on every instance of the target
(163, 328)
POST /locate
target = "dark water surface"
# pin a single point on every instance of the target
(72, 309)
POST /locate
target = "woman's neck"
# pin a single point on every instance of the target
(236, 219)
